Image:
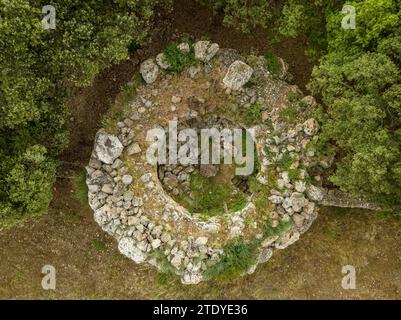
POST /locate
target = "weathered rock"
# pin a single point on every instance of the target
(127, 247)
(311, 127)
(287, 239)
(298, 201)
(265, 255)
(162, 61)
(252, 269)
(175, 99)
(300, 186)
(95, 163)
(156, 243)
(298, 219)
(238, 74)
(133, 149)
(194, 71)
(276, 199)
(127, 179)
(283, 68)
(201, 241)
(191, 277)
(269, 241)
(132, 221)
(107, 188)
(205, 51)
(171, 182)
(176, 261)
(93, 188)
(149, 70)
(107, 147)
(315, 193)
(184, 47)
(309, 101)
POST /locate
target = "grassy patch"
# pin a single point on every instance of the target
(261, 192)
(210, 198)
(294, 174)
(269, 230)
(289, 114)
(99, 245)
(80, 188)
(285, 161)
(239, 255)
(166, 274)
(179, 60)
(251, 115)
(303, 106)
(272, 63)
(292, 98)
(237, 258)
(331, 232)
(386, 215)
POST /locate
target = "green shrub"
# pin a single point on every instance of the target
(285, 161)
(241, 14)
(238, 257)
(359, 80)
(179, 60)
(38, 67)
(26, 185)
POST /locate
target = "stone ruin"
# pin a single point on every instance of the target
(131, 198)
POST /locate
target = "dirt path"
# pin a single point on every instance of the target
(87, 261)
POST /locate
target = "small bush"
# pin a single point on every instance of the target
(285, 161)
(177, 59)
(238, 257)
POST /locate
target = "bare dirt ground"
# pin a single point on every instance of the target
(87, 261)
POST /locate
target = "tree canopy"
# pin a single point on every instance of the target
(37, 66)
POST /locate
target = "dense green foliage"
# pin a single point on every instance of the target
(37, 68)
(242, 14)
(360, 83)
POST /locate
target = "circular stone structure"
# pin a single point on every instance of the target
(129, 196)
